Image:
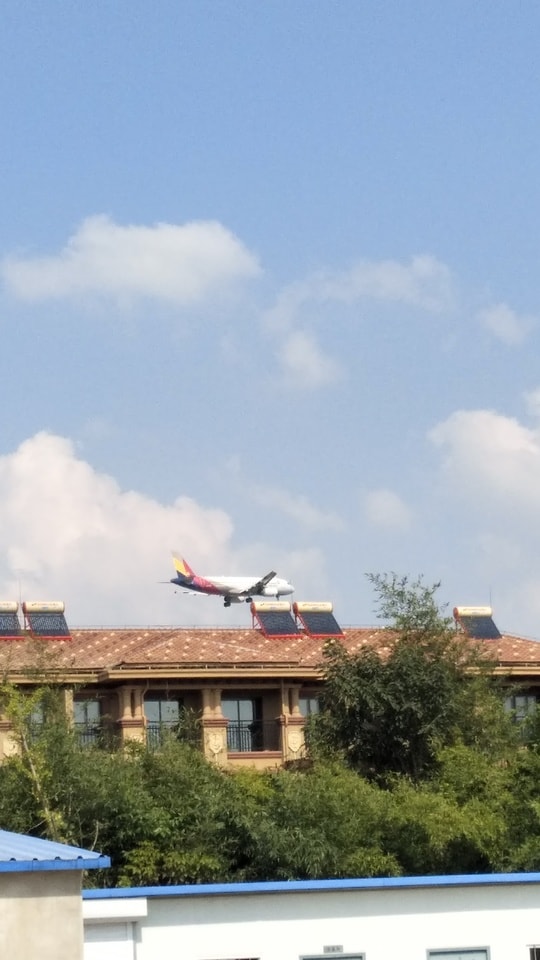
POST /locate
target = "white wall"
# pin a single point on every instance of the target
(110, 927)
(384, 924)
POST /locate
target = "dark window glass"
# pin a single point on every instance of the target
(245, 728)
(86, 711)
(162, 717)
(157, 710)
(87, 721)
(522, 705)
(308, 706)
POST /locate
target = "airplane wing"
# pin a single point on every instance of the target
(259, 586)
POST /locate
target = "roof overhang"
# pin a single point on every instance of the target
(214, 672)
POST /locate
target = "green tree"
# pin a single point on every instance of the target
(190, 840)
(43, 739)
(522, 812)
(392, 711)
(325, 822)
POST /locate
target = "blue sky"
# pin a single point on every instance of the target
(269, 296)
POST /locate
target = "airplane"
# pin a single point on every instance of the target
(232, 589)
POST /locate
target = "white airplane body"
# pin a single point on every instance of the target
(232, 589)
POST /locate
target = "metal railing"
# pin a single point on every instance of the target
(157, 732)
(255, 736)
(89, 734)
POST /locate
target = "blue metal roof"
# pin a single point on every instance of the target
(19, 853)
(310, 886)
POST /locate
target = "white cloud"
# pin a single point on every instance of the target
(304, 363)
(488, 454)
(282, 317)
(71, 533)
(423, 282)
(298, 508)
(179, 264)
(505, 324)
(491, 467)
(386, 509)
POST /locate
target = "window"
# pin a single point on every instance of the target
(521, 705)
(44, 708)
(37, 716)
(108, 941)
(482, 954)
(308, 706)
(534, 953)
(87, 721)
(162, 714)
(245, 728)
(35, 721)
(334, 953)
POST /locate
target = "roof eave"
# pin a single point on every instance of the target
(36, 866)
(147, 671)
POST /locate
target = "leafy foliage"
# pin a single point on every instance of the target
(393, 713)
(415, 769)
(326, 822)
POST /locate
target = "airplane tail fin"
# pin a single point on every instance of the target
(183, 569)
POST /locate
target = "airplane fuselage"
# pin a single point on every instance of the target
(232, 589)
(235, 588)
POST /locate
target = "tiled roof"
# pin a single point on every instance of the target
(511, 650)
(101, 650)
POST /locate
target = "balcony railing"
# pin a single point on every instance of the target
(90, 734)
(255, 736)
(157, 733)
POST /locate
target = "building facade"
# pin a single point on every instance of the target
(490, 917)
(242, 695)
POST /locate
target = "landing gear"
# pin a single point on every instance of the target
(226, 602)
(249, 599)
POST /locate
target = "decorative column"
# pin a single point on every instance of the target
(214, 726)
(67, 696)
(293, 745)
(131, 719)
(8, 745)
